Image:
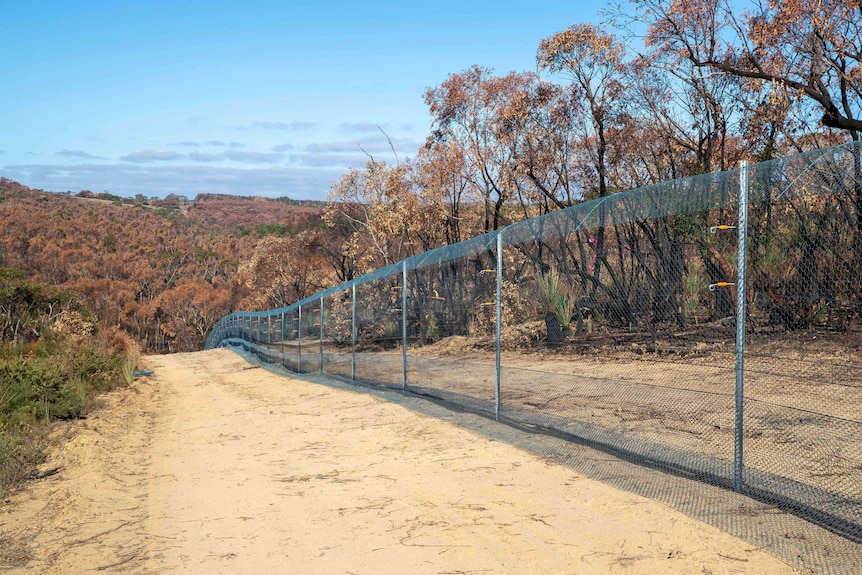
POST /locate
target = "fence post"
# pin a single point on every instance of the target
(299, 342)
(282, 340)
(255, 337)
(497, 400)
(404, 324)
(353, 332)
(742, 232)
(321, 334)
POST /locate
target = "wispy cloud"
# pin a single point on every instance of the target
(254, 157)
(145, 156)
(371, 144)
(295, 126)
(283, 148)
(359, 127)
(78, 154)
(205, 157)
(333, 147)
(211, 143)
(341, 161)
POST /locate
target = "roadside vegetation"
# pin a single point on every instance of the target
(54, 360)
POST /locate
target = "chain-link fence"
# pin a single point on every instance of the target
(709, 326)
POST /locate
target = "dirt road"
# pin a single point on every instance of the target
(212, 466)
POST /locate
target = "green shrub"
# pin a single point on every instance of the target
(38, 389)
(97, 369)
(51, 366)
(557, 296)
(20, 458)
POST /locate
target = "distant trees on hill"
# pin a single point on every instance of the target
(163, 275)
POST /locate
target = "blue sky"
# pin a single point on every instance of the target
(267, 98)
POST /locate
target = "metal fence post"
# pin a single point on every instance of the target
(353, 332)
(321, 334)
(404, 324)
(299, 342)
(497, 400)
(742, 230)
(282, 339)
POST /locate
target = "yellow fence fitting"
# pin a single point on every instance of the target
(712, 287)
(722, 227)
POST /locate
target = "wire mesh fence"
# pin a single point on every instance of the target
(709, 325)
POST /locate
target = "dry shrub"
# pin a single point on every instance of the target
(72, 322)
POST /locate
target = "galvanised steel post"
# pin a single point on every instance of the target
(404, 324)
(255, 336)
(497, 400)
(299, 342)
(742, 230)
(353, 332)
(268, 337)
(321, 334)
(282, 339)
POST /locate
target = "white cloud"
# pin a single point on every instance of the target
(333, 147)
(254, 157)
(78, 154)
(205, 157)
(359, 127)
(330, 160)
(145, 156)
(371, 144)
(294, 126)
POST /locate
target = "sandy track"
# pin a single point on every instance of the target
(214, 467)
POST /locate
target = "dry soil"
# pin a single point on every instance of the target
(213, 466)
